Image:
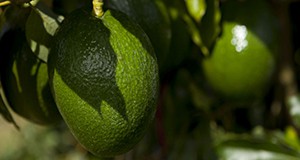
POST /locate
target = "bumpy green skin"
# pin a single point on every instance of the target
(104, 78)
(239, 74)
(244, 74)
(25, 82)
(153, 17)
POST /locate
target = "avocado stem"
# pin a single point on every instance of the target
(97, 8)
(4, 3)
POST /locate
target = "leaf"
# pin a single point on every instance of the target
(195, 34)
(205, 32)
(40, 28)
(4, 26)
(13, 17)
(210, 24)
(261, 144)
(294, 109)
(254, 150)
(31, 3)
(4, 109)
(20, 1)
(291, 137)
(200, 99)
(177, 11)
(196, 8)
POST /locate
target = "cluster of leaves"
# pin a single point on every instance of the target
(191, 122)
(36, 21)
(197, 124)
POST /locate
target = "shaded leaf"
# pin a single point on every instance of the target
(195, 34)
(13, 17)
(4, 109)
(205, 32)
(184, 148)
(196, 8)
(210, 24)
(177, 104)
(25, 3)
(254, 149)
(203, 136)
(20, 1)
(177, 11)
(4, 26)
(200, 99)
(40, 28)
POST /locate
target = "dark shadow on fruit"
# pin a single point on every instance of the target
(86, 61)
(153, 19)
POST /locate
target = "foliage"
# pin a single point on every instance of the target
(193, 120)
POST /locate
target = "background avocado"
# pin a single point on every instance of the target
(243, 60)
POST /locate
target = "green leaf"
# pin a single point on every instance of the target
(254, 149)
(294, 109)
(25, 3)
(196, 8)
(40, 28)
(200, 99)
(20, 1)
(177, 11)
(13, 17)
(205, 32)
(195, 34)
(9, 18)
(3, 26)
(210, 24)
(4, 108)
(31, 3)
(291, 138)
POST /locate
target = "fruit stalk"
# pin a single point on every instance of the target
(97, 8)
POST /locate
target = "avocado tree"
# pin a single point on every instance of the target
(150, 79)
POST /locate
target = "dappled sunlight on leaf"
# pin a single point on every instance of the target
(40, 28)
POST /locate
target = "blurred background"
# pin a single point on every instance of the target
(213, 104)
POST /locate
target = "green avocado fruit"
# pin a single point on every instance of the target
(25, 81)
(243, 60)
(104, 79)
(153, 17)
